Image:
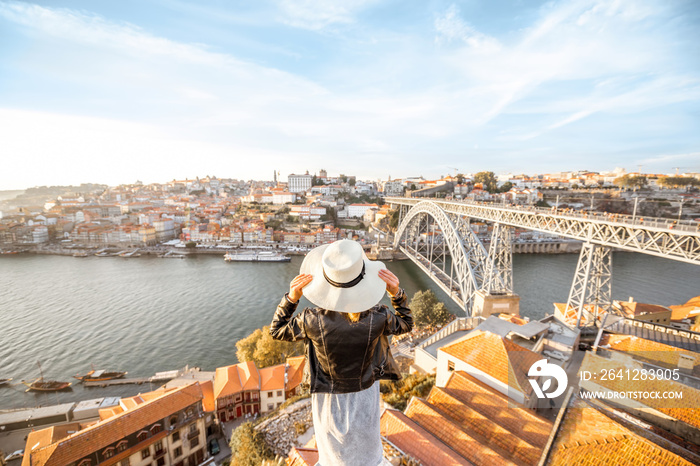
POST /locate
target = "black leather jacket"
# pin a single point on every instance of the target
(344, 356)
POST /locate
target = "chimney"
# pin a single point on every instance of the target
(631, 300)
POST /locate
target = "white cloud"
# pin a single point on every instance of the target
(450, 27)
(398, 98)
(572, 44)
(319, 14)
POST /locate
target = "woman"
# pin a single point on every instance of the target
(346, 346)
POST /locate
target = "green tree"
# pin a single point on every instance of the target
(398, 393)
(265, 351)
(245, 347)
(627, 181)
(352, 182)
(488, 181)
(190, 245)
(679, 181)
(394, 220)
(248, 446)
(427, 310)
(507, 186)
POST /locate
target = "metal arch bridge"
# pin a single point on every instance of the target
(437, 236)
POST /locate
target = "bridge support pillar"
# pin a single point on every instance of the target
(496, 294)
(591, 290)
(486, 304)
(499, 268)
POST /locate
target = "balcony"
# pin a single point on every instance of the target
(159, 454)
(193, 434)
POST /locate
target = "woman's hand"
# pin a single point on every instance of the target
(299, 282)
(391, 280)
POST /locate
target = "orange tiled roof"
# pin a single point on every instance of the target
(416, 441)
(208, 401)
(106, 413)
(496, 356)
(481, 428)
(638, 309)
(688, 310)
(226, 381)
(105, 433)
(295, 371)
(42, 439)
(249, 375)
(589, 437)
(299, 456)
(499, 409)
(272, 378)
(649, 350)
(473, 448)
(684, 410)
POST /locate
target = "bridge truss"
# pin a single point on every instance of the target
(436, 235)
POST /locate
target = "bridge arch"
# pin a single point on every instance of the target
(464, 274)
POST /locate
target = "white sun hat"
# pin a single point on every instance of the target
(345, 280)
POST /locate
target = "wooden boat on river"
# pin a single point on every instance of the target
(41, 385)
(5, 381)
(100, 375)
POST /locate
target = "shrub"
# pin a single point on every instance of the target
(248, 446)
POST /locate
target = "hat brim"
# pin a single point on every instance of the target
(368, 292)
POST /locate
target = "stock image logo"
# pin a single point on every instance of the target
(543, 368)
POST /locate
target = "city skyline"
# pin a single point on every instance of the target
(165, 89)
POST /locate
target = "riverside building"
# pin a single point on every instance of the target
(163, 428)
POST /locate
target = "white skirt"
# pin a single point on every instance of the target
(346, 426)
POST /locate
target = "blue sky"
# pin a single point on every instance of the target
(113, 92)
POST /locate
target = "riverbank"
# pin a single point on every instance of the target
(519, 247)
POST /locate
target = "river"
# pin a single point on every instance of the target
(146, 314)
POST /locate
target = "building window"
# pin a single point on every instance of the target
(270, 406)
(160, 462)
(145, 453)
(190, 412)
(193, 427)
(143, 435)
(155, 429)
(178, 452)
(158, 446)
(85, 462)
(125, 462)
(279, 392)
(173, 420)
(176, 436)
(269, 394)
(194, 442)
(450, 366)
(121, 446)
(108, 453)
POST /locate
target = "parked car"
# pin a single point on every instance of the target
(13, 456)
(214, 447)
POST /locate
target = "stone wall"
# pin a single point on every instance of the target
(280, 431)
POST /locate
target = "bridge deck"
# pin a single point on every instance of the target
(655, 236)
